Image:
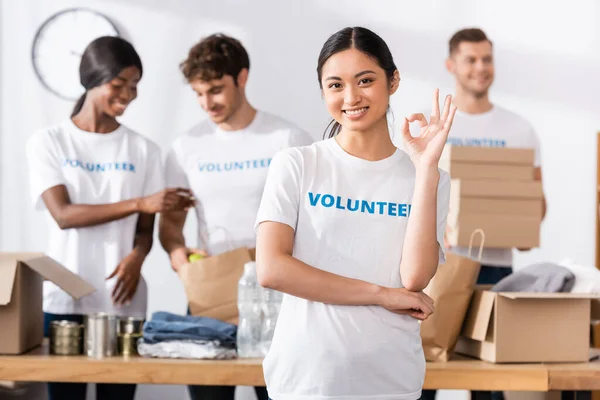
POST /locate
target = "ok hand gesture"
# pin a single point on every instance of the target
(425, 150)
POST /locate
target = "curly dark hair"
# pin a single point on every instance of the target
(213, 57)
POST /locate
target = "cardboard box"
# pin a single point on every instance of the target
(595, 334)
(21, 291)
(498, 190)
(493, 172)
(488, 155)
(527, 327)
(509, 212)
(501, 231)
(596, 309)
(488, 163)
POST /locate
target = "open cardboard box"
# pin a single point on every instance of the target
(21, 291)
(503, 327)
(493, 163)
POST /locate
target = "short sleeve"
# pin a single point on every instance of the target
(45, 166)
(154, 180)
(281, 194)
(174, 172)
(443, 205)
(298, 138)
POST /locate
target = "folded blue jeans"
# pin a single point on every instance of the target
(164, 326)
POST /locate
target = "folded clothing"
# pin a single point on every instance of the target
(587, 277)
(186, 349)
(164, 326)
(541, 277)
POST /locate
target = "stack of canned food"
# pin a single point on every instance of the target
(101, 335)
(130, 330)
(66, 338)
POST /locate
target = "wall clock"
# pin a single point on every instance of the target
(59, 44)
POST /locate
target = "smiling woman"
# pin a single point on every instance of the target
(333, 231)
(366, 86)
(110, 70)
(101, 184)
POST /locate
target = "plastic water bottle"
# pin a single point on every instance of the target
(271, 304)
(250, 313)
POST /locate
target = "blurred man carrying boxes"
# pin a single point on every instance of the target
(487, 145)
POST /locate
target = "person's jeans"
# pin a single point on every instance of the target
(77, 391)
(167, 326)
(220, 392)
(488, 275)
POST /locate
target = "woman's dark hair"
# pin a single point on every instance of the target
(102, 60)
(363, 40)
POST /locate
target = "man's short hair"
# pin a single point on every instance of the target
(473, 35)
(214, 57)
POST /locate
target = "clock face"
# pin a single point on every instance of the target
(59, 44)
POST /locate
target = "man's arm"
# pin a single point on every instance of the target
(170, 234)
(537, 175)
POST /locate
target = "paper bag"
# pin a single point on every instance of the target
(211, 284)
(451, 289)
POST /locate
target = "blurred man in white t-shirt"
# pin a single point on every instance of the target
(224, 161)
(479, 122)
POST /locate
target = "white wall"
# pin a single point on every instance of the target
(546, 70)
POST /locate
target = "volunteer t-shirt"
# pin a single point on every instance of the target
(96, 169)
(349, 217)
(495, 128)
(226, 171)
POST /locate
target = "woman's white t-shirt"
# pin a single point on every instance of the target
(349, 217)
(226, 171)
(96, 169)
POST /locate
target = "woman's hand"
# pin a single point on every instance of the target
(128, 274)
(425, 150)
(172, 199)
(402, 301)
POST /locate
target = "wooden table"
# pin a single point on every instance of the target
(465, 374)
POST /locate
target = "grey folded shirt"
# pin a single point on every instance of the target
(540, 277)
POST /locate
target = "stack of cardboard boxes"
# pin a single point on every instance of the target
(493, 189)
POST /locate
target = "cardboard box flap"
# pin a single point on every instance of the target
(479, 315)
(8, 270)
(497, 189)
(540, 295)
(488, 155)
(62, 277)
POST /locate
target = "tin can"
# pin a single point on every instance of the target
(130, 325)
(66, 338)
(128, 343)
(100, 335)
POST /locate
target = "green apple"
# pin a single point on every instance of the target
(195, 257)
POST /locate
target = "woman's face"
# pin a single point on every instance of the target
(113, 97)
(356, 90)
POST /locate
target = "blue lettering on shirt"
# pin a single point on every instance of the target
(97, 167)
(234, 165)
(364, 206)
(476, 142)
